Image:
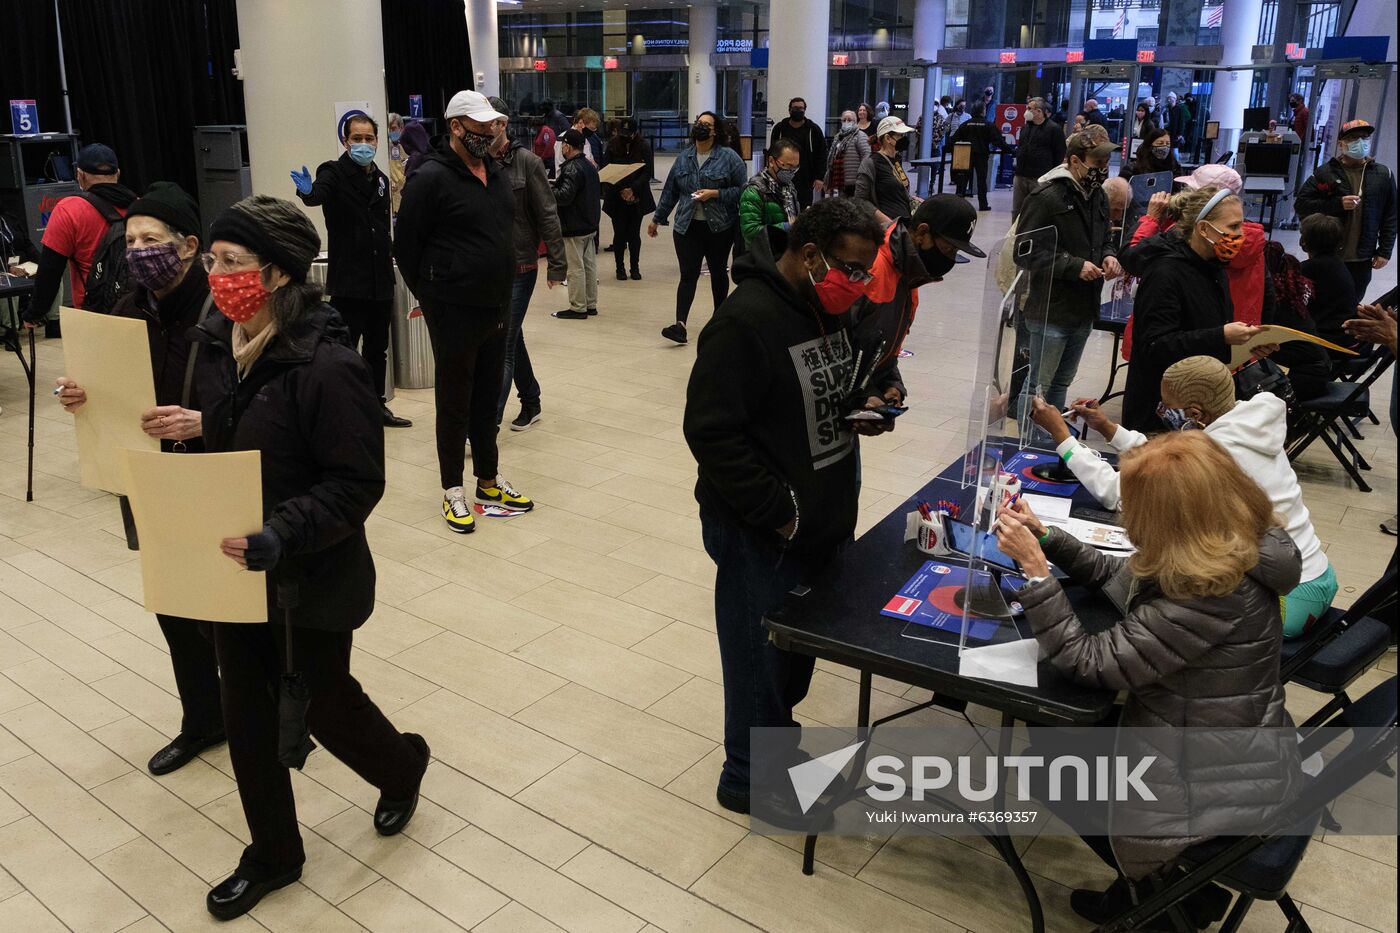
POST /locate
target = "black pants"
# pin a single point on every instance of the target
(700, 243)
(196, 675)
(469, 345)
(341, 717)
(978, 168)
(627, 233)
(1361, 274)
(369, 320)
(804, 192)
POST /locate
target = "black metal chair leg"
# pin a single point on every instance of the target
(1296, 921)
(1236, 915)
(1345, 461)
(809, 855)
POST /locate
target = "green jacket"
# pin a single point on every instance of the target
(757, 210)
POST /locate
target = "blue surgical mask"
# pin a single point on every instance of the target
(362, 153)
(847, 126)
(1359, 148)
(395, 135)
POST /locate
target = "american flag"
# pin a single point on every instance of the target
(1216, 16)
(1122, 23)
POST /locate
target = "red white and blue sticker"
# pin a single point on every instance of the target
(494, 511)
(1022, 463)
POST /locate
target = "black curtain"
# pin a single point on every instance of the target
(425, 52)
(142, 75)
(29, 61)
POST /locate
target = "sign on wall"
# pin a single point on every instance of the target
(344, 110)
(24, 117)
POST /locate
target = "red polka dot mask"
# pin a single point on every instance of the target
(238, 295)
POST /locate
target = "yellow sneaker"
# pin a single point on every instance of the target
(457, 513)
(503, 495)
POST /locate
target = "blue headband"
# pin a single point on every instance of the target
(1215, 199)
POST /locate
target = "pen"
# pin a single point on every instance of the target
(57, 389)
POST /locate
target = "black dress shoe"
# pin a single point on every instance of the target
(392, 420)
(636, 275)
(235, 895)
(569, 314)
(621, 274)
(391, 816)
(180, 752)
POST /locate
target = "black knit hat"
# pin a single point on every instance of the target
(275, 230)
(168, 203)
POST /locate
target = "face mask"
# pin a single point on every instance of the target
(478, 144)
(1161, 152)
(395, 135)
(701, 132)
(1228, 246)
(1094, 177)
(785, 175)
(238, 295)
(155, 266)
(836, 291)
(797, 113)
(847, 127)
(1359, 148)
(361, 154)
(935, 263)
(1176, 419)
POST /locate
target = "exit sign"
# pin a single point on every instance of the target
(1074, 55)
(840, 58)
(1294, 52)
(1008, 58)
(610, 63)
(1147, 55)
(541, 64)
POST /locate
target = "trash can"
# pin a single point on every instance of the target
(411, 349)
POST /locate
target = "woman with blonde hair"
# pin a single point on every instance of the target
(1183, 305)
(1199, 642)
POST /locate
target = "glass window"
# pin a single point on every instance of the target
(741, 27)
(662, 31)
(1322, 19)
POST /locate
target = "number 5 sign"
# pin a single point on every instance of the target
(24, 117)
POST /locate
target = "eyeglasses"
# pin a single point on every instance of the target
(228, 262)
(854, 271)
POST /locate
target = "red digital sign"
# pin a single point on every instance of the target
(840, 58)
(541, 64)
(610, 63)
(1147, 55)
(1008, 58)
(1074, 55)
(1294, 52)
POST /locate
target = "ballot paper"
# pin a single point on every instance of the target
(110, 358)
(1273, 333)
(1052, 510)
(1103, 537)
(185, 505)
(1012, 662)
(612, 174)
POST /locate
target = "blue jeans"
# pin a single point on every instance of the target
(762, 683)
(1054, 350)
(518, 366)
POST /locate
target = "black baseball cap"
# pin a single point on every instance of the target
(97, 159)
(952, 218)
(573, 138)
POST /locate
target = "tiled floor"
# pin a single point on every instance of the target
(563, 666)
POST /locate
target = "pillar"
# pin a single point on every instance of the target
(1179, 23)
(704, 26)
(291, 85)
(798, 57)
(1230, 96)
(1375, 100)
(930, 22)
(484, 38)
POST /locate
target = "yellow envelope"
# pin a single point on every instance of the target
(185, 505)
(109, 357)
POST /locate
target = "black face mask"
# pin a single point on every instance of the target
(935, 262)
(701, 132)
(797, 113)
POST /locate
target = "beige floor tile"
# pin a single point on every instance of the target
(536, 886)
(327, 787)
(763, 882)
(640, 822)
(696, 705)
(12, 695)
(133, 618)
(499, 752)
(44, 602)
(538, 837)
(444, 887)
(1344, 883)
(676, 560)
(149, 924)
(586, 534)
(384, 907)
(484, 675)
(397, 583)
(10, 810)
(391, 630)
(166, 888)
(400, 542)
(83, 823)
(142, 699)
(178, 828)
(481, 618)
(601, 616)
(24, 912)
(74, 564)
(676, 599)
(664, 496)
(196, 783)
(516, 918)
(137, 654)
(296, 908)
(605, 668)
(658, 523)
(74, 656)
(14, 652)
(643, 745)
(1264, 917)
(583, 568)
(9, 887)
(652, 898)
(65, 746)
(63, 881)
(475, 570)
(390, 686)
(685, 647)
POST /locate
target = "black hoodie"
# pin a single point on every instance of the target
(309, 406)
(764, 413)
(1182, 305)
(454, 236)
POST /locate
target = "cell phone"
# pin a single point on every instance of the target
(883, 413)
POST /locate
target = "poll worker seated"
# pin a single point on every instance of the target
(1199, 645)
(1198, 392)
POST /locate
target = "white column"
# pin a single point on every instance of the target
(930, 19)
(484, 39)
(704, 26)
(1375, 100)
(798, 58)
(1230, 97)
(298, 60)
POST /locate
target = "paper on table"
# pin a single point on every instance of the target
(1273, 333)
(1095, 534)
(185, 505)
(110, 358)
(1053, 509)
(1010, 663)
(612, 174)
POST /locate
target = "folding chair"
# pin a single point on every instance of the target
(1259, 867)
(1325, 416)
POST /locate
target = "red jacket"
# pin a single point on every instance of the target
(1245, 273)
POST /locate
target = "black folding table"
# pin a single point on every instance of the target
(15, 287)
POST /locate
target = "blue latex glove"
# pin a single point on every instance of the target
(264, 549)
(302, 180)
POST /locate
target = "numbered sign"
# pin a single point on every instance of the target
(24, 117)
(415, 106)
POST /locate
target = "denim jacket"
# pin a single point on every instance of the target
(723, 170)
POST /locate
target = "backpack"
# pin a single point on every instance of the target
(107, 279)
(938, 128)
(544, 143)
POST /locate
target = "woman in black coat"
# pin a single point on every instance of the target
(1183, 305)
(275, 375)
(1153, 155)
(628, 201)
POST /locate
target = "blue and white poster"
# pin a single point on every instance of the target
(24, 117)
(415, 106)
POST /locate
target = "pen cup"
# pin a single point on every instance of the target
(929, 535)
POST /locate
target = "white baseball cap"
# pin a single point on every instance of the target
(474, 106)
(892, 125)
